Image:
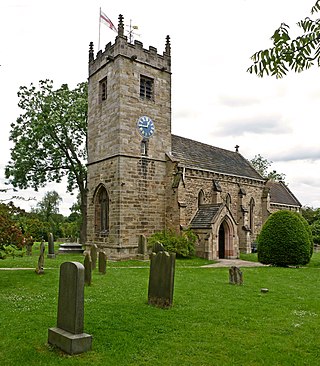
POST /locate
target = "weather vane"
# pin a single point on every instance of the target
(131, 32)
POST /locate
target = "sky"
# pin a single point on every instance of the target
(214, 99)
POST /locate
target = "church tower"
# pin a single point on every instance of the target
(129, 135)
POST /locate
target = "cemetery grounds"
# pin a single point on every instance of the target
(210, 323)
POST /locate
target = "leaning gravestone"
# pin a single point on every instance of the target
(161, 278)
(87, 269)
(68, 335)
(40, 267)
(235, 276)
(102, 262)
(51, 246)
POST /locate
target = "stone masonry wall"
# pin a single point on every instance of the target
(137, 196)
(196, 180)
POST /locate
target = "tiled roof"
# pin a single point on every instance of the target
(204, 216)
(281, 194)
(197, 155)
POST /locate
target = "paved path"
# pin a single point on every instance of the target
(235, 262)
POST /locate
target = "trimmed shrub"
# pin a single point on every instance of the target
(284, 240)
(309, 231)
(182, 244)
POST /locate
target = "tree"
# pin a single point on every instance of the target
(312, 216)
(297, 54)
(285, 240)
(71, 226)
(49, 205)
(11, 237)
(47, 210)
(262, 165)
(33, 227)
(50, 140)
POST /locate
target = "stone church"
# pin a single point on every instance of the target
(143, 179)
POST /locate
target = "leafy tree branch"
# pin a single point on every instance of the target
(297, 54)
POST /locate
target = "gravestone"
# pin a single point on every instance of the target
(94, 255)
(102, 262)
(87, 269)
(40, 267)
(142, 247)
(235, 276)
(51, 246)
(161, 279)
(68, 335)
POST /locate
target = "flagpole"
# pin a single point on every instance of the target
(99, 29)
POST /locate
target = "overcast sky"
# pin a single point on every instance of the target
(214, 99)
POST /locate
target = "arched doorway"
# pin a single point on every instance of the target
(226, 241)
(222, 242)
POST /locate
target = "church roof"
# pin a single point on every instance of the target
(204, 216)
(281, 194)
(198, 155)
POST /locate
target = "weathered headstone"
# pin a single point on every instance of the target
(161, 279)
(68, 335)
(102, 262)
(94, 255)
(235, 276)
(51, 246)
(40, 266)
(142, 246)
(87, 269)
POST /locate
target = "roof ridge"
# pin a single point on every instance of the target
(203, 143)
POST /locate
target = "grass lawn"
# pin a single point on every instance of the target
(210, 323)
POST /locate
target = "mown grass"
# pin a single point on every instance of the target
(210, 323)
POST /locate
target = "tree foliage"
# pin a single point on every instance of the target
(34, 227)
(262, 165)
(297, 54)
(49, 139)
(285, 240)
(313, 218)
(49, 205)
(11, 237)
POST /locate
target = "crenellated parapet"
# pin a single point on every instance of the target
(134, 52)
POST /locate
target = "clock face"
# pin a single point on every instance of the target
(145, 126)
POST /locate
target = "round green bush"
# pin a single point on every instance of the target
(309, 231)
(284, 240)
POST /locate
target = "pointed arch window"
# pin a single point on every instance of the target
(228, 201)
(251, 214)
(102, 211)
(200, 198)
